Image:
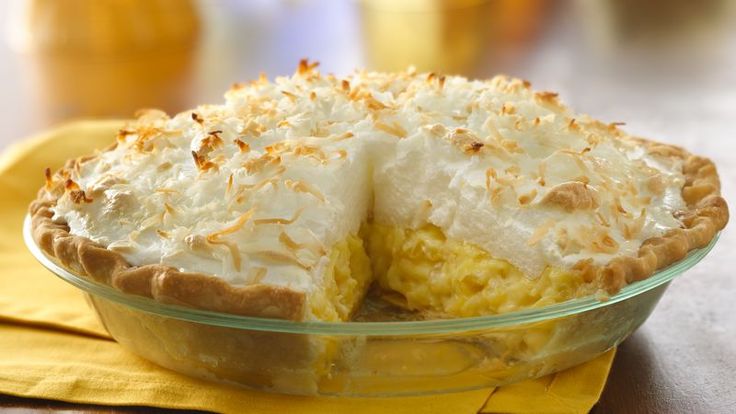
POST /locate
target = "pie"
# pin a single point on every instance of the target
(452, 197)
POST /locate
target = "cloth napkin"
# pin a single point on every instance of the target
(53, 347)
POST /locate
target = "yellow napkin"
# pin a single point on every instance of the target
(52, 347)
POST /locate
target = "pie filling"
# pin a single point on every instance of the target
(345, 282)
(439, 275)
(422, 270)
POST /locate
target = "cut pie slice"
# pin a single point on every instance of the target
(459, 197)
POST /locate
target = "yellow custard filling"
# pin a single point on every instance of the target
(346, 280)
(437, 274)
(421, 269)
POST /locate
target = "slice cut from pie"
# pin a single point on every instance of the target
(455, 197)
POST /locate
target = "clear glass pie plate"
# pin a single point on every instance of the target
(372, 358)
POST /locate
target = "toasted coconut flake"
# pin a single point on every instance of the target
(496, 193)
(345, 85)
(202, 164)
(632, 229)
(602, 219)
(546, 97)
(604, 243)
(540, 232)
(145, 135)
(256, 274)
(152, 221)
(76, 194)
(372, 103)
(346, 135)
(123, 134)
(212, 140)
(620, 208)
(460, 118)
(474, 147)
(278, 220)
(310, 151)
(394, 129)
(253, 128)
(571, 196)
(466, 140)
(289, 242)
(277, 148)
(164, 166)
(305, 67)
(163, 234)
(441, 82)
(255, 165)
(508, 108)
(281, 257)
(166, 190)
(240, 195)
(239, 223)
(302, 187)
(229, 186)
(169, 209)
(234, 251)
(289, 95)
(514, 170)
(242, 146)
(210, 143)
(511, 146)
(197, 118)
(261, 184)
(527, 198)
(79, 197)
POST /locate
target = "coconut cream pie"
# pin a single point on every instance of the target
(453, 197)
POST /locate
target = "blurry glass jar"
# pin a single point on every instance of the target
(452, 36)
(105, 57)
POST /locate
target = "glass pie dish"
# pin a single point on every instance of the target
(403, 357)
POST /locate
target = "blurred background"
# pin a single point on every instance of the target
(649, 63)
